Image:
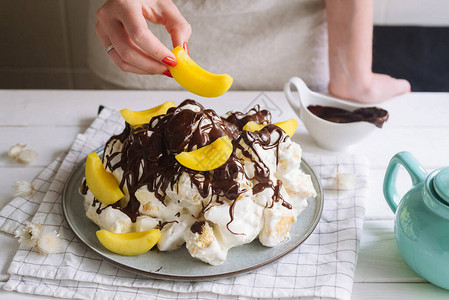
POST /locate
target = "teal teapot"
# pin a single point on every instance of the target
(421, 226)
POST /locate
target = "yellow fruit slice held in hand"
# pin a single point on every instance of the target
(130, 243)
(288, 126)
(101, 183)
(136, 118)
(197, 80)
(208, 157)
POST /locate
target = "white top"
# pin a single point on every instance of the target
(261, 44)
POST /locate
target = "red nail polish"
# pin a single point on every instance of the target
(167, 73)
(169, 61)
(186, 47)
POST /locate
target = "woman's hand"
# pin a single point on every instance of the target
(122, 23)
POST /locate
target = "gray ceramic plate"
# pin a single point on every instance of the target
(179, 264)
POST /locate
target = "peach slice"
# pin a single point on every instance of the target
(288, 126)
(101, 183)
(136, 118)
(130, 243)
(208, 157)
(197, 80)
(253, 126)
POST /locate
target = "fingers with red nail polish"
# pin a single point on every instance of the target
(186, 47)
(169, 61)
(167, 73)
(136, 49)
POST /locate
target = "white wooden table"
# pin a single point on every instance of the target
(48, 121)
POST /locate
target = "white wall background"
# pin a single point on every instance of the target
(411, 12)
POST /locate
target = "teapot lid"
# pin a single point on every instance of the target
(441, 184)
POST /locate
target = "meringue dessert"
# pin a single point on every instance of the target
(204, 181)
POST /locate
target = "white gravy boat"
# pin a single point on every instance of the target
(329, 135)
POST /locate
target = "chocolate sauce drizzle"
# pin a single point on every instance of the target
(147, 157)
(162, 224)
(83, 187)
(255, 114)
(262, 172)
(197, 227)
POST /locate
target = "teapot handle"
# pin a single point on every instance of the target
(414, 169)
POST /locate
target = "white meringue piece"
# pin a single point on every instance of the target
(109, 218)
(276, 226)
(48, 243)
(144, 223)
(243, 228)
(27, 156)
(205, 246)
(173, 234)
(23, 188)
(15, 150)
(29, 234)
(345, 181)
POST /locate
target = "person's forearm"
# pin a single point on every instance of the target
(350, 29)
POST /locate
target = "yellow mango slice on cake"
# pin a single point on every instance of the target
(130, 243)
(197, 80)
(253, 126)
(208, 157)
(103, 184)
(136, 118)
(288, 126)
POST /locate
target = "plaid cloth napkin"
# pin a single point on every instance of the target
(322, 267)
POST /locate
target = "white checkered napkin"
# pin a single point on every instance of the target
(322, 267)
(22, 209)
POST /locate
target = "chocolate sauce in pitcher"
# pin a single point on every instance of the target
(374, 115)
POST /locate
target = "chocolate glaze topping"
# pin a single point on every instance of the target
(262, 172)
(197, 227)
(147, 156)
(374, 115)
(255, 114)
(84, 188)
(162, 224)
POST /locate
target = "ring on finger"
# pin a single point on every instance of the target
(109, 48)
